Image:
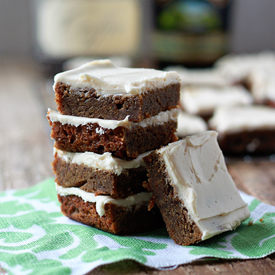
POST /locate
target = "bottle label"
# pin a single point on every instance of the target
(67, 28)
(180, 48)
(189, 31)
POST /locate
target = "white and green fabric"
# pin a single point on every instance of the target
(35, 238)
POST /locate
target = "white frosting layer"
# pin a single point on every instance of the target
(263, 84)
(270, 89)
(190, 124)
(107, 79)
(245, 118)
(237, 67)
(73, 63)
(159, 119)
(199, 175)
(103, 162)
(102, 200)
(203, 100)
(200, 77)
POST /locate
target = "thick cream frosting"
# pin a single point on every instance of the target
(203, 100)
(237, 67)
(190, 124)
(108, 79)
(200, 77)
(262, 81)
(197, 170)
(158, 119)
(242, 118)
(104, 162)
(100, 201)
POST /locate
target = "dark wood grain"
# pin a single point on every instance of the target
(256, 178)
(26, 156)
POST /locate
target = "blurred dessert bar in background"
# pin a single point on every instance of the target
(262, 85)
(203, 101)
(236, 68)
(245, 129)
(190, 124)
(235, 81)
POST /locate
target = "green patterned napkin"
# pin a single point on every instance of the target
(35, 238)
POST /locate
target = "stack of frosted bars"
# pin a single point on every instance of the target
(108, 119)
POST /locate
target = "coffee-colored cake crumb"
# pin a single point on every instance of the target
(116, 220)
(99, 181)
(179, 225)
(86, 103)
(121, 142)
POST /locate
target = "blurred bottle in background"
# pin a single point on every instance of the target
(66, 29)
(192, 33)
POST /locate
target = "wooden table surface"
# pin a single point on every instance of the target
(26, 156)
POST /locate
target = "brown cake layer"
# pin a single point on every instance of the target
(180, 226)
(87, 103)
(100, 182)
(116, 220)
(270, 103)
(261, 141)
(122, 142)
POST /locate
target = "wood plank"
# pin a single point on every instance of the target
(25, 149)
(265, 266)
(255, 178)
